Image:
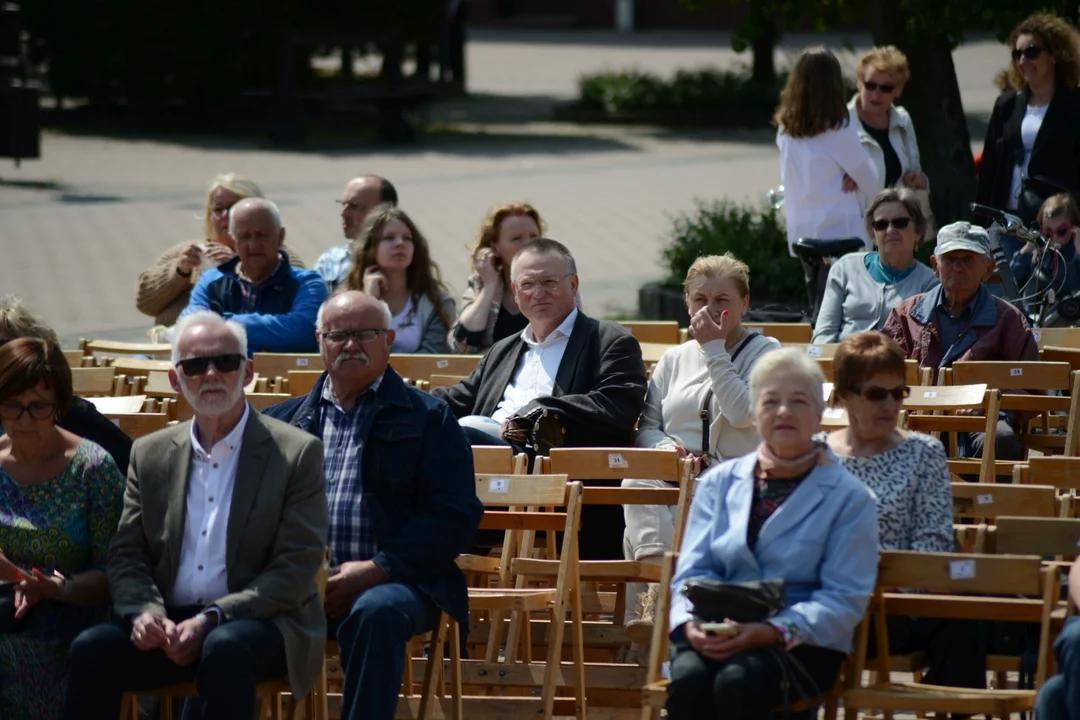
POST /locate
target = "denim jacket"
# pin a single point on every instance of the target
(418, 484)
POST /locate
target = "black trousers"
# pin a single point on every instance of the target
(748, 685)
(103, 664)
(957, 648)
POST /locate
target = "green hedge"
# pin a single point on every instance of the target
(756, 237)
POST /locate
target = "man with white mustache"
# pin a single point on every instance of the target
(401, 495)
(212, 569)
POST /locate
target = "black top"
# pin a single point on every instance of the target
(893, 170)
(769, 495)
(507, 324)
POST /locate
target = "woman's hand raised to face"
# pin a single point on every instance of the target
(704, 328)
(374, 282)
(484, 264)
(748, 636)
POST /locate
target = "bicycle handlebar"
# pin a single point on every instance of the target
(1010, 224)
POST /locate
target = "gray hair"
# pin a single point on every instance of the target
(387, 315)
(905, 197)
(16, 321)
(254, 202)
(543, 246)
(796, 366)
(206, 317)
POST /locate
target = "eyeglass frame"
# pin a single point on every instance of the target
(1031, 52)
(352, 334)
(210, 360)
(552, 289)
(898, 393)
(27, 410)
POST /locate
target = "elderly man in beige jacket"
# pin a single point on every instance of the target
(212, 570)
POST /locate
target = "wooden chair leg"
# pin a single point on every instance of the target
(433, 671)
(457, 712)
(408, 683)
(165, 708)
(916, 675)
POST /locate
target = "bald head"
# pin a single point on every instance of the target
(359, 197)
(254, 208)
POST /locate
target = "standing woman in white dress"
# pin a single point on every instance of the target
(822, 161)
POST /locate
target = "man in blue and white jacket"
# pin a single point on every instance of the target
(275, 302)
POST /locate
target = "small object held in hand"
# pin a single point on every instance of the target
(721, 629)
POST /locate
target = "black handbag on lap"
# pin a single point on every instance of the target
(715, 601)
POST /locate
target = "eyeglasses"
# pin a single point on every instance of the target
(351, 206)
(872, 86)
(12, 411)
(1031, 52)
(900, 223)
(549, 284)
(227, 363)
(1061, 231)
(340, 337)
(875, 393)
(220, 210)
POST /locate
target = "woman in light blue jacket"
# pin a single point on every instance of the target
(788, 510)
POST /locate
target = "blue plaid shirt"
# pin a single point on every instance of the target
(334, 265)
(343, 434)
(249, 291)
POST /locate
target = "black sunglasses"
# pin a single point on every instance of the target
(875, 393)
(871, 86)
(1031, 52)
(899, 223)
(227, 363)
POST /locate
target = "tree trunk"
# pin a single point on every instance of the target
(932, 96)
(764, 48)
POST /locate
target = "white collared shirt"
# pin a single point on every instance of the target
(535, 376)
(202, 577)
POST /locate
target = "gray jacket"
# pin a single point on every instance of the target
(854, 301)
(433, 332)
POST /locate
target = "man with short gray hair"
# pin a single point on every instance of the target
(274, 301)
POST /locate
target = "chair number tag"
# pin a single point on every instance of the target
(442, 364)
(1038, 335)
(1016, 372)
(498, 485)
(301, 362)
(962, 569)
(930, 394)
(813, 351)
(616, 460)
(984, 499)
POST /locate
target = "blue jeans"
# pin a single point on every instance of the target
(1059, 698)
(372, 640)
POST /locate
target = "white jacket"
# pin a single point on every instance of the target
(902, 138)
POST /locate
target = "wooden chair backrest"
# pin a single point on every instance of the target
(798, 333)
(74, 357)
(652, 352)
(157, 385)
(950, 573)
(1038, 536)
(1060, 472)
(275, 365)
(501, 490)
(1058, 337)
(89, 381)
(111, 348)
(653, 331)
(988, 500)
(136, 425)
(139, 367)
(421, 366)
(926, 398)
(437, 381)
(1069, 355)
(1008, 375)
(498, 459)
(819, 351)
(302, 382)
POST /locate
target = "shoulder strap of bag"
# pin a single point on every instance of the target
(705, 406)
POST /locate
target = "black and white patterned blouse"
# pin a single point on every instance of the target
(914, 498)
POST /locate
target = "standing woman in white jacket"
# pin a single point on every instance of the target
(885, 129)
(822, 162)
(698, 403)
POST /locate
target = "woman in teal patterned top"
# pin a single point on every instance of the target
(60, 503)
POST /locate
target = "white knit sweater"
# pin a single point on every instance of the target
(677, 391)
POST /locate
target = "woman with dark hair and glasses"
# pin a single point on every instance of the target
(863, 288)
(1057, 266)
(1032, 148)
(61, 497)
(909, 477)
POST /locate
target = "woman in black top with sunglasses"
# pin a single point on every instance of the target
(1032, 148)
(909, 477)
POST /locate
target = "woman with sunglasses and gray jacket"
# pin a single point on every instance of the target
(863, 288)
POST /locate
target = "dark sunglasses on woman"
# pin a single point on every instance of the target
(875, 393)
(227, 363)
(1031, 52)
(1061, 232)
(872, 86)
(899, 223)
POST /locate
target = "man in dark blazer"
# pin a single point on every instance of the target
(212, 570)
(402, 499)
(587, 374)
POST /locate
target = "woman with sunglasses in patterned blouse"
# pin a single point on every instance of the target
(1032, 147)
(1057, 265)
(909, 477)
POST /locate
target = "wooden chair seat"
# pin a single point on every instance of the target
(268, 693)
(919, 697)
(613, 571)
(654, 695)
(512, 599)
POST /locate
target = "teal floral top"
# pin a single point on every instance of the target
(64, 524)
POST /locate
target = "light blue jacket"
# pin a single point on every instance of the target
(823, 541)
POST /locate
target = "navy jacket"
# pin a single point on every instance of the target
(419, 486)
(284, 317)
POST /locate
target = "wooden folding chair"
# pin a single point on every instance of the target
(665, 332)
(1059, 337)
(1069, 355)
(654, 694)
(797, 333)
(983, 502)
(652, 352)
(137, 367)
(136, 425)
(962, 586)
(421, 366)
(498, 459)
(516, 597)
(112, 348)
(926, 402)
(96, 381)
(278, 365)
(76, 358)
(1037, 376)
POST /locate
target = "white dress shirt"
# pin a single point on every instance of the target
(201, 577)
(535, 377)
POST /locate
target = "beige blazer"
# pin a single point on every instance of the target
(274, 543)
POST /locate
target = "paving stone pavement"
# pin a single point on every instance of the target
(78, 226)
